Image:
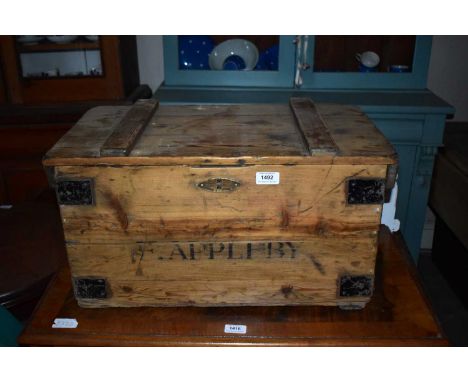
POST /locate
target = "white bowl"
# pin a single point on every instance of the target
(29, 40)
(61, 39)
(234, 47)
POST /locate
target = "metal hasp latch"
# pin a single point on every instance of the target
(219, 185)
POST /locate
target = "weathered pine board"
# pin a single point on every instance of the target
(84, 140)
(125, 134)
(217, 160)
(261, 133)
(165, 202)
(225, 110)
(239, 136)
(214, 273)
(312, 128)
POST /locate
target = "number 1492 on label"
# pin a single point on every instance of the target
(267, 178)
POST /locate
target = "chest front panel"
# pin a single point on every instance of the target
(153, 203)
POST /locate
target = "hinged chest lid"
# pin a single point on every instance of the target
(151, 134)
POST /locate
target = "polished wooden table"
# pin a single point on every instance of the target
(397, 315)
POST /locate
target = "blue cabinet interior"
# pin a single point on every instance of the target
(410, 116)
(283, 77)
(379, 80)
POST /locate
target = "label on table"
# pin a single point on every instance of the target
(65, 323)
(239, 329)
(267, 178)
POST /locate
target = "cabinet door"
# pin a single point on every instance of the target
(406, 158)
(229, 60)
(403, 62)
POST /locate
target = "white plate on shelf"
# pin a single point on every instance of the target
(29, 40)
(59, 39)
(244, 49)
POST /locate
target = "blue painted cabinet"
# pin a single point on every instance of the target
(416, 138)
(291, 53)
(410, 116)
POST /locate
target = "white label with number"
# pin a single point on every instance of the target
(68, 323)
(239, 329)
(267, 178)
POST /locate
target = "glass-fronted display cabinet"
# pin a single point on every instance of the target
(347, 53)
(369, 62)
(62, 68)
(297, 61)
(229, 60)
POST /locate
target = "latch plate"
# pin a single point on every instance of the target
(219, 185)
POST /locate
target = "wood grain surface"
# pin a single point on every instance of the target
(124, 136)
(224, 273)
(150, 203)
(398, 315)
(312, 128)
(224, 134)
(163, 204)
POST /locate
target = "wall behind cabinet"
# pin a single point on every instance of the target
(150, 60)
(448, 72)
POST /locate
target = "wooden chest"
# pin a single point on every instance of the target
(213, 205)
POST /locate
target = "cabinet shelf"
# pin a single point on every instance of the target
(337, 53)
(53, 47)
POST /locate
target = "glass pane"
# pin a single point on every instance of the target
(259, 53)
(364, 53)
(59, 56)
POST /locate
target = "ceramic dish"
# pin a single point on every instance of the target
(61, 39)
(368, 59)
(220, 57)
